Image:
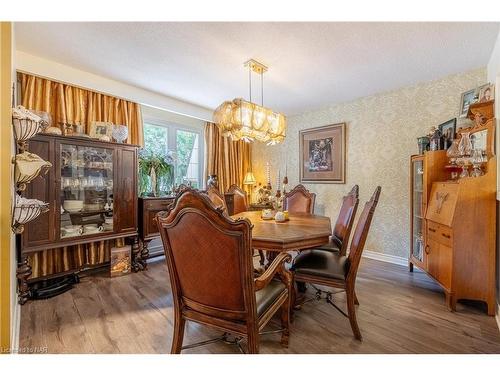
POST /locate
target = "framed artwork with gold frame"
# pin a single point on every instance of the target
(323, 154)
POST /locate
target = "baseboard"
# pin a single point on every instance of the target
(385, 257)
(16, 327)
(497, 315)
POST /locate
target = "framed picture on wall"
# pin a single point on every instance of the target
(323, 154)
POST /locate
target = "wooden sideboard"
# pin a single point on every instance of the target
(148, 230)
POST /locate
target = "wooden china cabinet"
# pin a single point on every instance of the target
(453, 225)
(92, 195)
(424, 170)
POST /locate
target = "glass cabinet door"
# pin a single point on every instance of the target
(417, 209)
(86, 190)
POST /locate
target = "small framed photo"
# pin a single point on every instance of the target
(468, 98)
(448, 130)
(121, 263)
(323, 154)
(99, 129)
(486, 93)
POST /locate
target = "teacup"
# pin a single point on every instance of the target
(93, 228)
(267, 214)
(280, 216)
(72, 229)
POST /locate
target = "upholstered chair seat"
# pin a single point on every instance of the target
(267, 296)
(334, 245)
(322, 263)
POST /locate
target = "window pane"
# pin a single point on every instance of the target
(155, 139)
(188, 165)
(155, 153)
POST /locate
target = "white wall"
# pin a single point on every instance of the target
(59, 72)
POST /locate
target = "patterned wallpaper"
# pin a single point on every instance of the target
(381, 135)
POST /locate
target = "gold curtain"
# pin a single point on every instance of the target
(229, 160)
(71, 104)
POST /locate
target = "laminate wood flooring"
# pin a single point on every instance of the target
(399, 312)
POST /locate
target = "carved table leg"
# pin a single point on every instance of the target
(23, 272)
(138, 263)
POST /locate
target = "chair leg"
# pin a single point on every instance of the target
(179, 324)
(262, 257)
(301, 286)
(285, 322)
(253, 342)
(356, 302)
(352, 313)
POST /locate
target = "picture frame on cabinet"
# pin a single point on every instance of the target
(448, 130)
(486, 93)
(100, 129)
(483, 138)
(467, 98)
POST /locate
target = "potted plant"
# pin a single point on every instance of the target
(156, 173)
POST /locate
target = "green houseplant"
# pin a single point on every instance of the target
(156, 173)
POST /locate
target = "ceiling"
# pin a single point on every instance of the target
(311, 65)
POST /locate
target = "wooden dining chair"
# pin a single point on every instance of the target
(240, 199)
(240, 204)
(342, 230)
(217, 198)
(209, 259)
(331, 269)
(299, 200)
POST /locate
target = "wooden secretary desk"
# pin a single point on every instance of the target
(453, 226)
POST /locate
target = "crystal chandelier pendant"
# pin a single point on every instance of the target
(243, 120)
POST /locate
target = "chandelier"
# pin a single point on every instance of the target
(241, 119)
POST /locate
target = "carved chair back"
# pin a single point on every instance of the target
(345, 220)
(209, 258)
(239, 199)
(360, 235)
(217, 198)
(299, 200)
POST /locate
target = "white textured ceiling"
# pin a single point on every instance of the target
(311, 65)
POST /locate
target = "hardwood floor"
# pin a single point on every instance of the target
(399, 312)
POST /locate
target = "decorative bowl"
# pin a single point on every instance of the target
(119, 133)
(73, 205)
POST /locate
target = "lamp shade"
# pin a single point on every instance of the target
(248, 121)
(249, 179)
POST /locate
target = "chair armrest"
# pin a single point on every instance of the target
(277, 266)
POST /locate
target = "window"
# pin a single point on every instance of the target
(188, 165)
(184, 144)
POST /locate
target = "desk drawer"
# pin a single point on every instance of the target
(157, 204)
(440, 233)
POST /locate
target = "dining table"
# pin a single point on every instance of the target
(300, 231)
